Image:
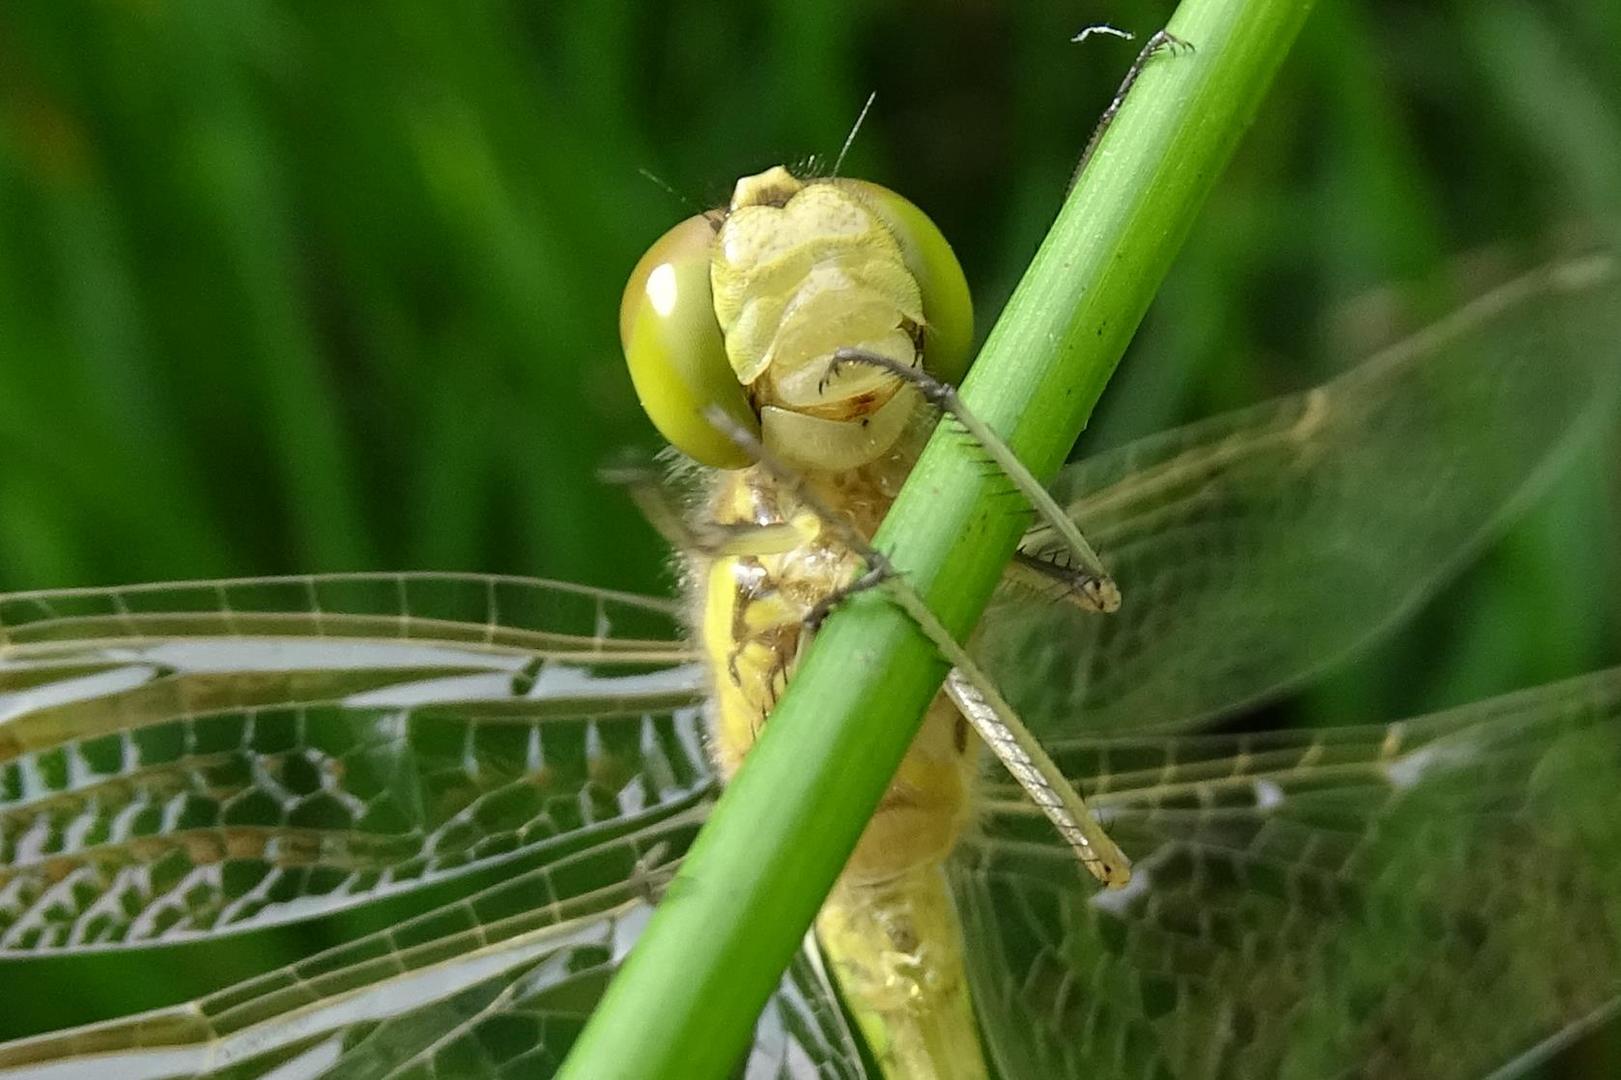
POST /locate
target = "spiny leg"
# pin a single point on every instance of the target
(878, 571)
(970, 688)
(1050, 574)
(1158, 42)
(1090, 581)
(1021, 753)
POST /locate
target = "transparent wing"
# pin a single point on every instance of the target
(183, 761)
(1435, 898)
(1256, 548)
(188, 759)
(494, 985)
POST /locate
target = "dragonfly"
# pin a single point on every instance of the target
(528, 761)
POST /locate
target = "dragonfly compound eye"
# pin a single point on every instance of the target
(948, 310)
(674, 348)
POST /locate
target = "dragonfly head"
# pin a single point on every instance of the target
(743, 309)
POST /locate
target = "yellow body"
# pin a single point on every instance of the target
(785, 303)
(889, 929)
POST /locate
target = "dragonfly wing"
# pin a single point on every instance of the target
(498, 983)
(188, 760)
(516, 762)
(1256, 548)
(1435, 898)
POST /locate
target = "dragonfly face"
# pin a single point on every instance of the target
(743, 310)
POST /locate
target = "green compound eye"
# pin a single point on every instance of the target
(947, 307)
(674, 348)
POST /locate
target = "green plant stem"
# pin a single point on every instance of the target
(687, 998)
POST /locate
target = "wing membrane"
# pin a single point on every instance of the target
(1255, 548)
(495, 984)
(1433, 898)
(185, 760)
(488, 608)
(451, 954)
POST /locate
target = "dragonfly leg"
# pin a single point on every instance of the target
(972, 691)
(1074, 565)
(1160, 41)
(1047, 571)
(969, 687)
(877, 573)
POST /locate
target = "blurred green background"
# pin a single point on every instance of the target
(299, 286)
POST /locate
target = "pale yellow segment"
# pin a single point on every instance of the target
(801, 270)
(889, 930)
(896, 949)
